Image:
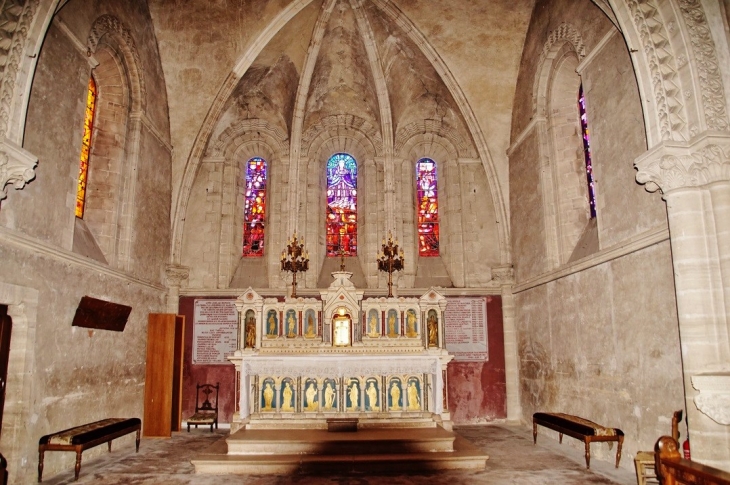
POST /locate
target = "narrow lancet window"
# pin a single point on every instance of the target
(427, 206)
(587, 151)
(254, 215)
(341, 205)
(85, 148)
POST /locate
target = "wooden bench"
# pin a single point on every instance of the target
(87, 436)
(578, 428)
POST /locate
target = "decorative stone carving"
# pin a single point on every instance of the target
(341, 367)
(17, 167)
(713, 399)
(175, 275)
(15, 19)
(675, 165)
(708, 69)
(660, 59)
(503, 275)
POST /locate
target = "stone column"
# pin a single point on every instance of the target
(175, 275)
(505, 277)
(695, 180)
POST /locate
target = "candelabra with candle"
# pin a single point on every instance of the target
(390, 260)
(294, 259)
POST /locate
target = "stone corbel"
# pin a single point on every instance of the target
(17, 166)
(673, 165)
(175, 275)
(503, 275)
(713, 399)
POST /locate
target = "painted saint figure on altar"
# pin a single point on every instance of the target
(433, 331)
(414, 403)
(311, 331)
(287, 401)
(392, 323)
(329, 396)
(291, 324)
(373, 330)
(354, 397)
(394, 396)
(268, 397)
(411, 330)
(271, 324)
(372, 393)
(311, 393)
(250, 330)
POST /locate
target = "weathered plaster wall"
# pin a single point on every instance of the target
(598, 337)
(67, 376)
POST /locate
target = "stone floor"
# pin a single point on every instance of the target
(513, 460)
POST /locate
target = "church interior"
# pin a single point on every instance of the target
(303, 201)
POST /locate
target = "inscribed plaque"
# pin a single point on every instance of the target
(214, 331)
(466, 328)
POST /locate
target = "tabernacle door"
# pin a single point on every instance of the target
(342, 331)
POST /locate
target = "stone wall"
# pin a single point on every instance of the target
(597, 335)
(62, 376)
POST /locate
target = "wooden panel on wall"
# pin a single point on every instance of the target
(165, 336)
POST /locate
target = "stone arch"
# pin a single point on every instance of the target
(425, 130)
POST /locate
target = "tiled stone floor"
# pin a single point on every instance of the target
(513, 460)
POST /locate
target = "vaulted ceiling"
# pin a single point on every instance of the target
(389, 62)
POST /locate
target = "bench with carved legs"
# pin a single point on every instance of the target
(579, 428)
(81, 438)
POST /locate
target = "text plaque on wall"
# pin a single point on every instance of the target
(214, 331)
(466, 328)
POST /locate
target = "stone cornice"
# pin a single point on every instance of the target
(17, 166)
(674, 165)
(32, 245)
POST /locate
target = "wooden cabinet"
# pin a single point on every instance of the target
(163, 382)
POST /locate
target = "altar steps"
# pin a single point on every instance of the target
(366, 451)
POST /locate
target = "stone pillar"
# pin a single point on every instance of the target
(505, 277)
(175, 275)
(695, 180)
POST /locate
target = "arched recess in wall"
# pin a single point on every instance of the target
(570, 232)
(107, 220)
(359, 139)
(215, 231)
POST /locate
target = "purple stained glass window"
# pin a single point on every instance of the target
(341, 205)
(254, 215)
(427, 207)
(587, 151)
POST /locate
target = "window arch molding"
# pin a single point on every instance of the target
(561, 157)
(120, 104)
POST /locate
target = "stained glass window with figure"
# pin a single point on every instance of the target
(86, 148)
(254, 216)
(341, 205)
(427, 207)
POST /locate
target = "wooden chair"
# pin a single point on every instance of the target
(644, 460)
(206, 413)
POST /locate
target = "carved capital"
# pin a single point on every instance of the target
(17, 166)
(503, 275)
(675, 165)
(175, 275)
(713, 399)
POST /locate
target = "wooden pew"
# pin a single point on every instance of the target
(672, 469)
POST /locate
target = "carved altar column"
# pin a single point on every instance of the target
(695, 180)
(175, 275)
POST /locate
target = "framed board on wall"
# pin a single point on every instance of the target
(466, 328)
(215, 324)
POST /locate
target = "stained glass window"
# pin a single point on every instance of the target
(254, 215)
(587, 151)
(427, 206)
(341, 205)
(85, 148)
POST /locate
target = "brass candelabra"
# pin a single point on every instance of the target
(294, 259)
(390, 260)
